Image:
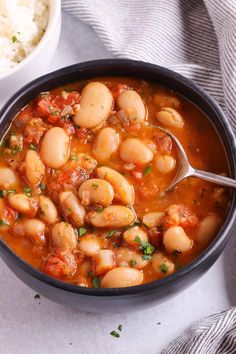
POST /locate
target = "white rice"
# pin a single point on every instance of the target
(22, 25)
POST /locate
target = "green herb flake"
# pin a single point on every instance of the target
(32, 147)
(27, 191)
(95, 186)
(114, 334)
(74, 157)
(100, 209)
(14, 39)
(146, 257)
(146, 247)
(81, 231)
(42, 186)
(96, 282)
(16, 150)
(55, 113)
(132, 263)
(3, 223)
(1, 193)
(11, 132)
(111, 233)
(164, 268)
(147, 170)
(120, 327)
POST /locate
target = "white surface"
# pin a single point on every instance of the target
(27, 327)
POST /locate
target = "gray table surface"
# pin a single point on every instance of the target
(39, 326)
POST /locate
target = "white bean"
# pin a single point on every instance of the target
(104, 261)
(35, 168)
(124, 191)
(161, 264)
(134, 150)
(96, 190)
(164, 163)
(89, 245)
(122, 277)
(170, 117)
(47, 210)
(55, 147)
(112, 216)
(175, 238)
(165, 100)
(128, 257)
(132, 104)
(153, 219)
(72, 208)
(64, 237)
(208, 228)
(35, 229)
(95, 105)
(7, 178)
(23, 204)
(105, 144)
(131, 234)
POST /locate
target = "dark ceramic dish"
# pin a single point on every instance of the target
(132, 298)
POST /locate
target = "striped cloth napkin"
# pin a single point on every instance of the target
(196, 38)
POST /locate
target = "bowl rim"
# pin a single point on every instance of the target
(53, 18)
(206, 255)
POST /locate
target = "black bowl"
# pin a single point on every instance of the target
(132, 298)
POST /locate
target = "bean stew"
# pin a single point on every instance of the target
(83, 182)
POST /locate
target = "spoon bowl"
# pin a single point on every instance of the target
(186, 170)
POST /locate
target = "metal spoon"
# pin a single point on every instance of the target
(186, 170)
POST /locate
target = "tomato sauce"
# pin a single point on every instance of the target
(57, 109)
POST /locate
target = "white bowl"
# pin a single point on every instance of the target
(37, 62)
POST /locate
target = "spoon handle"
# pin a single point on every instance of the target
(212, 177)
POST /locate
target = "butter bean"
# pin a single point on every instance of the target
(64, 237)
(95, 105)
(35, 168)
(72, 208)
(55, 147)
(112, 216)
(170, 117)
(132, 104)
(175, 238)
(134, 150)
(105, 144)
(47, 210)
(122, 277)
(124, 191)
(97, 191)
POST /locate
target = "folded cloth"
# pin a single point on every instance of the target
(196, 38)
(215, 334)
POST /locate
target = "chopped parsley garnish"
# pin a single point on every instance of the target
(1, 194)
(132, 263)
(74, 157)
(95, 186)
(147, 170)
(146, 257)
(164, 268)
(16, 150)
(42, 186)
(55, 113)
(114, 334)
(146, 247)
(81, 231)
(136, 223)
(13, 39)
(111, 233)
(27, 191)
(120, 328)
(96, 282)
(3, 223)
(100, 209)
(32, 147)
